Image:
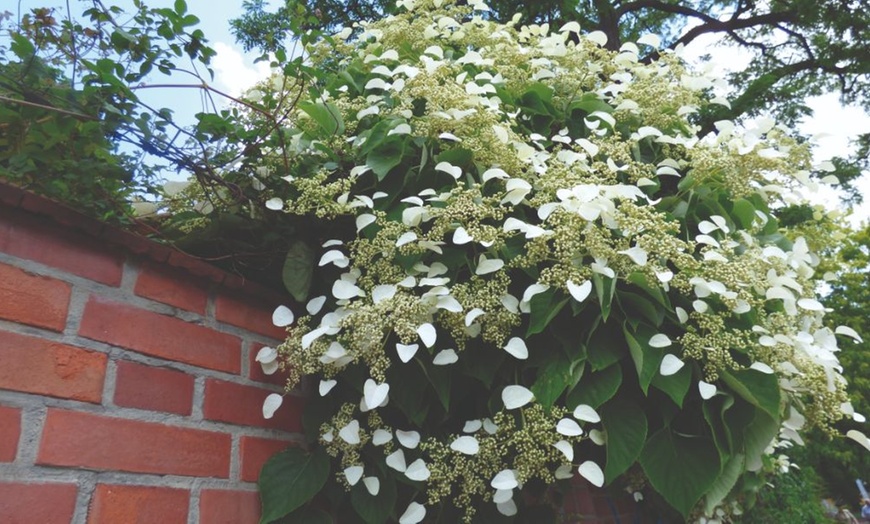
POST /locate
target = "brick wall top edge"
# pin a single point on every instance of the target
(64, 216)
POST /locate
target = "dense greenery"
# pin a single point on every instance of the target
(795, 496)
(516, 245)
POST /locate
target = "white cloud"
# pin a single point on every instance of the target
(233, 73)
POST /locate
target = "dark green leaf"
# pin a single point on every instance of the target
(743, 213)
(757, 388)
(698, 468)
(552, 379)
(724, 483)
(290, 479)
(308, 516)
(544, 307)
(604, 288)
(298, 270)
(374, 510)
(386, 156)
(676, 385)
(606, 346)
(596, 388)
(625, 426)
(757, 436)
(646, 359)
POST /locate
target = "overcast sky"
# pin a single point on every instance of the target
(833, 124)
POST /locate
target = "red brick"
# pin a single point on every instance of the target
(172, 286)
(43, 241)
(154, 389)
(160, 335)
(10, 432)
(243, 405)
(255, 451)
(34, 365)
(42, 503)
(579, 501)
(33, 300)
(138, 505)
(88, 441)
(223, 506)
(249, 314)
(255, 370)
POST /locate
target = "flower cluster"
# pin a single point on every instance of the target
(529, 215)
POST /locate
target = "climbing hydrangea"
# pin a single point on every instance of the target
(544, 269)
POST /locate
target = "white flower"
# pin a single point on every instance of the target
(466, 445)
(271, 404)
(516, 397)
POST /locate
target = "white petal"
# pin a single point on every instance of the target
(563, 472)
(597, 37)
(417, 470)
(381, 437)
(353, 474)
(383, 292)
(448, 303)
(266, 355)
(315, 304)
(472, 426)
(859, 437)
(406, 238)
(326, 386)
(282, 316)
(472, 315)
(466, 445)
(275, 204)
(533, 290)
(364, 220)
(427, 334)
(849, 332)
(659, 341)
(670, 365)
(445, 358)
(651, 40)
(450, 169)
(508, 509)
(406, 353)
(409, 439)
(486, 266)
(586, 413)
(762, 367)
(597, 437)
(271, 404)
(516, 397)
(505, 479)
(810, 304)
(350, 433)
(373, 485)
(461, 236)
(682, 316)
(569, 428)
(270, 368)
(706, 389)
(579, 292)
(636, 254)
(489, 426)
(566, 448)
(592, 472)
(333, 256)
(517, 348)
(502, 495)
(375, 394)
(415, 513)
(396, 460)
(344, 290)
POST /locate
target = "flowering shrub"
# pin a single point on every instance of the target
(539, 270)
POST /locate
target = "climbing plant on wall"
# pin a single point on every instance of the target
(537, 270)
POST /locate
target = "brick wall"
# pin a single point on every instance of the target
(128, 387)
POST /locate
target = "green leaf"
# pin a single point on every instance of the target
(676, 386)
(327, 116)
(604, 288)
(625, 426)
(386, 156)
(377, 509)
(180, 7)
(544, 307)
(290, 479)
(596, 388)
(637, 307)
(646, 359)
(682, 469)
(724, 483)
(757, 388)
(757, 436)
(553, 378)
(743, 213)
(298, 270)
(606, 346)
(308, 515)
